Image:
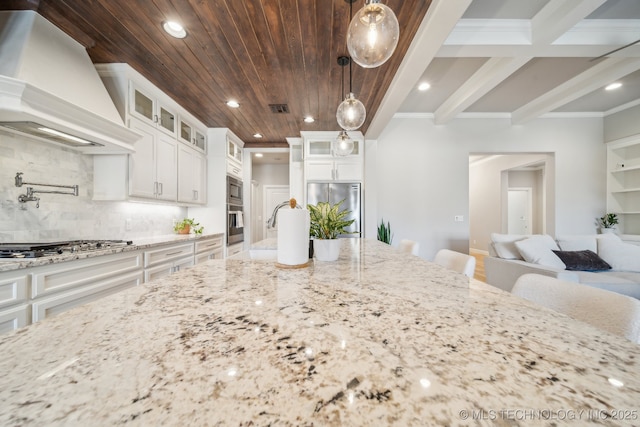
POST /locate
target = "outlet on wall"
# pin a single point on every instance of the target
(458, 218)
(127, 224)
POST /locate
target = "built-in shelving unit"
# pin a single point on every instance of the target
(623, 182)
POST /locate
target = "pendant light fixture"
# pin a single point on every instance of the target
(343, 145)
(373, 34)
(351, 112)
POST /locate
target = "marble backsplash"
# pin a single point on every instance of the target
(62, 217)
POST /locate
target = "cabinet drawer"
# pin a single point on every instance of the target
(234, 170)
(206, 256)
(58, 303)
(163, 270)
(14, 318)
(169, 253)
(68, 275)
(13, 289)
(209, 244)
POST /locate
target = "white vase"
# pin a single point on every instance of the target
(326, 249)
(607, 230)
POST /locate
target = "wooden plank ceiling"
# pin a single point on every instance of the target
(258, 52)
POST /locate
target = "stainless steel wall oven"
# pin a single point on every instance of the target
(235, 212)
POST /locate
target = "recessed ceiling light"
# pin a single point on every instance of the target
(424, 86)
(613, 86)
(233, 104)
(174, 29)
(257, 135)
(258, 154)
(309, 119)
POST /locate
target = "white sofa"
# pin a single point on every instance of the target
(511, 256)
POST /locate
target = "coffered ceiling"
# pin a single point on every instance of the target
(508, 58)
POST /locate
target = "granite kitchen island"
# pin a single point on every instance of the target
(376, 338)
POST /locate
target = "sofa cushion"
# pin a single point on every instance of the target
(582, 260)
(578, 243)
(539, 250)
(620, 255)
(622, 282)
(503, 245)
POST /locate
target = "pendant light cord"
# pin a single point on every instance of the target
(350, 61)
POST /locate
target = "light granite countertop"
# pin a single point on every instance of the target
(377, 338)
(9, 264)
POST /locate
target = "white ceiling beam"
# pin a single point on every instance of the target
(492, 73)
(559, 16)
(595, 77)
(440, 19)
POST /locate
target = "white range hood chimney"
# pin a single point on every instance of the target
(49, 87)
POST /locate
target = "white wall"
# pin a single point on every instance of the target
(63, 217)
(422, 174)
(622, 124)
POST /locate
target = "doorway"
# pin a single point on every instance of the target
(491, 175)
(273, 196)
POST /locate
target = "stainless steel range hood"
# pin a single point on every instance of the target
(50, 90)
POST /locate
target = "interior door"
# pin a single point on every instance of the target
(273, 196)
(519, 211)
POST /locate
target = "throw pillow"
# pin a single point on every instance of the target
(620, 255)
(506, 250)
(578, 243)
(582, 260)
(537, 251)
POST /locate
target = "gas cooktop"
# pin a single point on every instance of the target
(36, 250)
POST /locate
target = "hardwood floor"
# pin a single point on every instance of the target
(479, 272)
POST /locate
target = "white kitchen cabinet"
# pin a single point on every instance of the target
(192, 176)
(189, 134)
(165, 260)
(323, 148)
(151, 172)
(209, 248)
(14, 294)
(234, 150)
(234, 249)
(623, 182)
(330, 170)
(321, 163)
(59, 287)
(149, 108)
(153, 168)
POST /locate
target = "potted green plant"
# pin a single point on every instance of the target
(187, 225)
(608, 223)
(327, 223)
(384, 232)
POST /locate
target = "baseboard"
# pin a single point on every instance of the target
(478, 252)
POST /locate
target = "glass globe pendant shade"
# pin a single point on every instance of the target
(343, 145)
(351, 113)
(373, 35)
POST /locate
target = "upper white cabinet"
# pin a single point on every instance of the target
(192, 135)
(623, 182)
(150, 109)
(153, 167)
(157, 170)
(192, 168)
(234, 155)
(322, 164)
(234, 150)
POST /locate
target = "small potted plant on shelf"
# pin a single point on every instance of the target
(608, 223)
(187, 225)
(327, 223)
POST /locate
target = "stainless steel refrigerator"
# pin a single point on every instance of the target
(333, 193)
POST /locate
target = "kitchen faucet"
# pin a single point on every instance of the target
(30, 196)
(271, 222)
